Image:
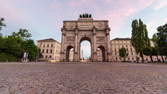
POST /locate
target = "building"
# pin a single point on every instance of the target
(50, 49)
(97, 32)
(118, 43)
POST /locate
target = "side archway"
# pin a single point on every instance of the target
(101, 53)
(69, 53)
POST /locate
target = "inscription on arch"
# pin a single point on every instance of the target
(70, 38)
(100, 39)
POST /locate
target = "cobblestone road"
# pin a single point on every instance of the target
(119, 78)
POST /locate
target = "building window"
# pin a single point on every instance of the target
(48, 45)
(40, 45)
(51, 45)
(50, 56)
(46, 50)
(51, 51)
(44, 45)
(42, 56)
(43, 51)
(46, 56)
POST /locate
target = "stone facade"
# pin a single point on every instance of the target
(50, 49)
(99, 55)
(118, 43)
(97, 32)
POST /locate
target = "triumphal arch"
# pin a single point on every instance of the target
(97, 32)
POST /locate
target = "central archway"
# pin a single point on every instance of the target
(87, 49)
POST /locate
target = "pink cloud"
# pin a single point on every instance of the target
(117, 17)
(10, 12)
(114, 11)
(145, 3)
(77, 3)
(161, 4)
(108, 1)
(56, 4)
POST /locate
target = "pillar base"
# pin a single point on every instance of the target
(109, 56)
(94, 59)
(62, 55)
(76, 57)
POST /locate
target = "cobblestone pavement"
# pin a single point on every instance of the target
(120, 78)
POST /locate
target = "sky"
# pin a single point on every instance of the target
(44, 18)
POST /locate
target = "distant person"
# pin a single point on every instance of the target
(25, 57)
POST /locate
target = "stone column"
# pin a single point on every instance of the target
(76, 52)
(94, 45)
(62, 52)
(108, 45)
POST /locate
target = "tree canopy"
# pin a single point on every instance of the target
(23, 33)
(139, 38)
(160, 40)
(13, 46)
(2, 24)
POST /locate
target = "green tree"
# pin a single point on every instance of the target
(10, 46)
(31, 49)
(151, 51)
(155, 40)
(160, 40)
(27, 44)
(139, 38)
(23, 33)
(2, 24)
(123, 53)
(16, 44)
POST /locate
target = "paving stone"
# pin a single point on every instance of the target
(79, 78)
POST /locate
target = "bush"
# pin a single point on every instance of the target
(4, 57)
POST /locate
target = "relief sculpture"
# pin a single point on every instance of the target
(70, 38)
(100, 39)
